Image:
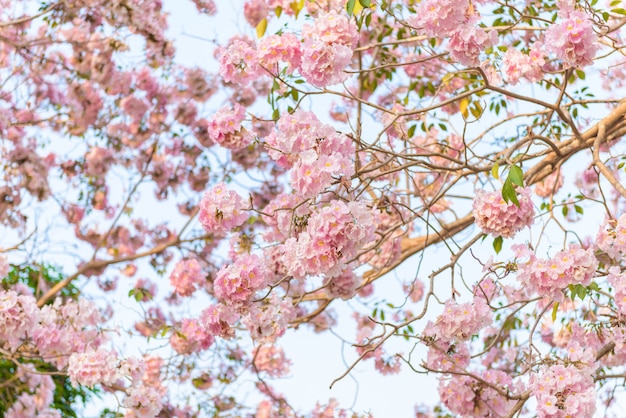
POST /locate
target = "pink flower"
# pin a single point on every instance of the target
(93, 367)
(333, 29)
(516, 65)
(549, 277)
(143, 401)
(221, 210)
(255, 11)
(550, 185)
(469, 40)
(280, 48)
(573, 40)
(271, 360)
(191, 337)
(611, 237)
(564, 391)
(237, 282)
(496, 217)
(239, 63)
(187, 277)
(439, 17)
(225, 128)
(323, 64)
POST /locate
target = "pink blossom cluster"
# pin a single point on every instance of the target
(191, 337)
(143, 401)
(221, 210)
(187, 277)
(93, 367)
(219, 320)
(239, 63)
(38, 397)
(436, 17)
(496, 217)
(454, 19)
(269, 321)
(315, 153)
(274, 49)
(468, 397)
(327, 50)
(19, 315)
(617, 279)
(445, 356)
(343, 286)
(459, 321)
(573, 40)
(469, 40)
(550, 185)
(575, 265)
(271, 360)
(611, 237)
(333, 236)
(282, 215)
(515, 65)
(236, 283)
(225, 128)
(564, 391)
(254, 11)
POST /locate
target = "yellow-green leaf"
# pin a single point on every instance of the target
(495, 171)
(463, 105)
(261, 28)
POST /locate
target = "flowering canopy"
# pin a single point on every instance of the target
(448, 171)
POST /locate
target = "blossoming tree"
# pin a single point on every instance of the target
(332, 144)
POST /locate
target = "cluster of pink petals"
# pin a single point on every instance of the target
(343, 286)
(143, 401)
(573, 40)
(269, 321)
(19, 315)
(191, 337)
(333, 236)
(254, 11)
(564, 391)
(611, 238)
(496, 217)
(219, 320)
(469, 40)
(550, 185)
(37, 399)
(617, 279)
(515, 65)
(575, 265)
(327, 50)
(271, 360)
(315, 153)
(225, 128)
(468, 397)
(239, 63)
(438, 17)
(274, 49)
(221, 210)
(187, 277)
(93, 367)
(459, 321)
(445, 356)
(236, 283)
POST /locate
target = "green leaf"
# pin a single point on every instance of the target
(555, 308)
(411, 131)
(509, 194)
(350, 7)
(497, 244)
(516, 175)
(365, 3)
